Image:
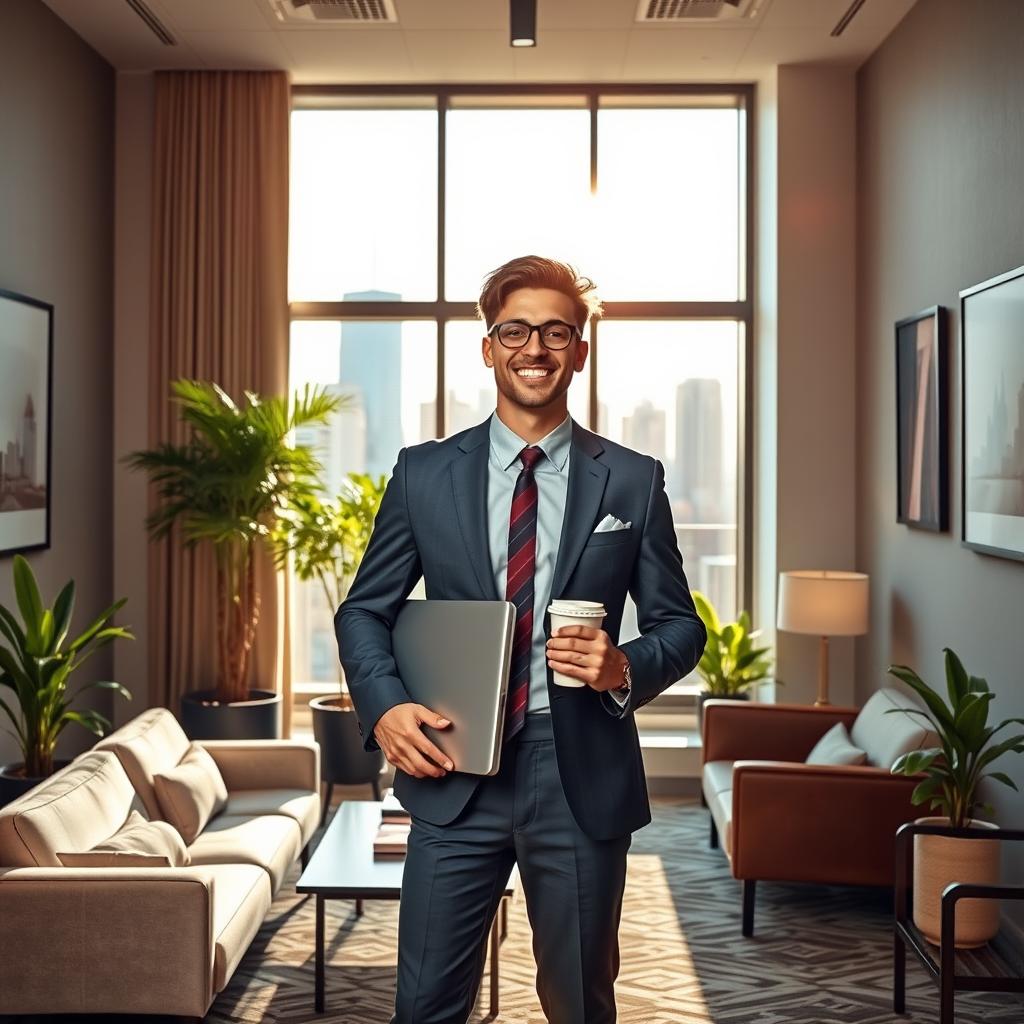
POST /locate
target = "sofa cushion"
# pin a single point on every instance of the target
(300, 804)
(835, 748)
(137, 844)
(241, 899)
(271, 841)
(720, 805)
(717, 776)
(191, 793)
(74, 809)
(151, 742)
(884, 737)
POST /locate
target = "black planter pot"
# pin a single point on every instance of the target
(714, 696)
(13, 785)
(343, 761)
(259, 718)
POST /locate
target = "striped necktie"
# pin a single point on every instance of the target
(522, 547)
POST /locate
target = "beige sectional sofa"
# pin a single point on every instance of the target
(145, 940)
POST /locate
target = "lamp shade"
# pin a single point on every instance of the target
(824, 602)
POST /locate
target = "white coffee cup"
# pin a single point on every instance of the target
(567, 612)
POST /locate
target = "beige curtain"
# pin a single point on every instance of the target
(219, 311)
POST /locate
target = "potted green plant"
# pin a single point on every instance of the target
(228, 486)
(730, 664)
(327, 538)
(953, 773)
(36, 663)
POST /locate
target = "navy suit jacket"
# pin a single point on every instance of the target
(432, 522)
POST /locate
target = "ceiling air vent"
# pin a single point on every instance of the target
(307, 12)
(662, 11)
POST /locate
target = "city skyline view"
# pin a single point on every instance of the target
(663, 224)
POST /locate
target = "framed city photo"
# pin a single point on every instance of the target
(922, 464)
(992, 376)
(26, 375)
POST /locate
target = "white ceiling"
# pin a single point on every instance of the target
(468, 40)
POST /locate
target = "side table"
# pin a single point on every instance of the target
(999, 975)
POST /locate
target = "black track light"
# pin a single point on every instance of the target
(523, 22)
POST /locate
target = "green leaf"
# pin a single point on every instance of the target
(933, 701)
(62, 611)
(915, 761)
(30, 604)
(1003, 778)
(957, 682)
(17, 724)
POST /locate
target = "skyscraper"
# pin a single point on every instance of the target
(371, 360)
(699, 447)
(644, 430)
(28, 442)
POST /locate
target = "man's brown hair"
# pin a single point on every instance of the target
(538, 272)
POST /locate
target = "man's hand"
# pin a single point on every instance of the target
(587, 654)
(404, 744)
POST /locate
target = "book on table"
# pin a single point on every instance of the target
(392, 812)
(391, 840)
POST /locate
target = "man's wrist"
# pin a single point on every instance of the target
(627, 679)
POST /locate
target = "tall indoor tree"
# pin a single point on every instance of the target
(230, 485)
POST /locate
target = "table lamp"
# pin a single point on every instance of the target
(824, 603)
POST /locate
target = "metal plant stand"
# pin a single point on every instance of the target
(988, 971)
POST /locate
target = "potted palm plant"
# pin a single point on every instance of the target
(954, 771)
(36, 663)
(327, 538)
(730, 664)
(228, 486)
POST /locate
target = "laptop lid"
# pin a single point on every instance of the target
(454, 658)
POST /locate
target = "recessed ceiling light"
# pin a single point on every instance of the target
(523, 22)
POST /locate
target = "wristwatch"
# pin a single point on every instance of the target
(627, 680)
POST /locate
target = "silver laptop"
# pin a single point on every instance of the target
(454, 658)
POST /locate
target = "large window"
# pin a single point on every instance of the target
(403, 201)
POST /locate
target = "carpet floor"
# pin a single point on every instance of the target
(819, 955)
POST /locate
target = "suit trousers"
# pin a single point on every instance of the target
(454, 876)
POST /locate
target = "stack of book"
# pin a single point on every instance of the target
(393, 835)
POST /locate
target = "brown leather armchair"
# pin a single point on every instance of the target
(781, 819)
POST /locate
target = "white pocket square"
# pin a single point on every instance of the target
(611, 523)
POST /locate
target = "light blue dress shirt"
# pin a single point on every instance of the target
(552, 477)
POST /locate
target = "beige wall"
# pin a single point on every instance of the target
(805, 503)
(941, 148)
(56, 209)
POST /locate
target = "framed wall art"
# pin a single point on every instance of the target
(922, 487)
(26, 390)
(992, 383)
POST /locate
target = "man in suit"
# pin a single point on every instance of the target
(524, 489)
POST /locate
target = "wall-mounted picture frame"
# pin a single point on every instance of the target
(992, 400)
(922, 410)
(26, 419)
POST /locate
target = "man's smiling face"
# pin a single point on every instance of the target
(533, 376)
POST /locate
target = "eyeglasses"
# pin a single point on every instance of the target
(554, 334)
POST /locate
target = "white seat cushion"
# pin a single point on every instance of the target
(270, 840)
(300, 804)
(241, 899)
(884, 737)
(717, 776)
(720, 805)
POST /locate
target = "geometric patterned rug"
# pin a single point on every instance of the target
(819, 954)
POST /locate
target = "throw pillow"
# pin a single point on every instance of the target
(191, 793)
(835, 747)
(138, 843)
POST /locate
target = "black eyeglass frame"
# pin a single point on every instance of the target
(495, 332)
